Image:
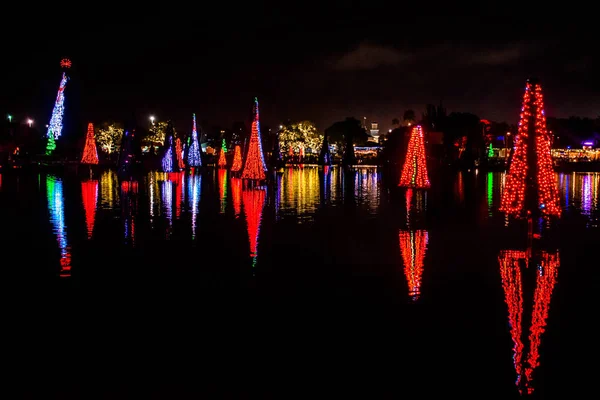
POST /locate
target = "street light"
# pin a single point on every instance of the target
(9, 118)
(30, 122)
(152, 119)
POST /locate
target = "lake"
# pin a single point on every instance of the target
(321, 283)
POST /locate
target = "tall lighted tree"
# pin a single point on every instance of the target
(90, 151)
(193, 154)
(530, 182)
(55, 125)
(414, 171)
(222, 160)
(255, 167)
(236, 166)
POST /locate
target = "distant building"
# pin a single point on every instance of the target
(374, 132)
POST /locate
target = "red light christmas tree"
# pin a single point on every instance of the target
(414, 172)
(90, 152)
(237, 159)
(179, 154)
(222, 160)
(255, 166)
(530, 182)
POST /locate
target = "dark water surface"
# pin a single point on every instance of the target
(318, 285)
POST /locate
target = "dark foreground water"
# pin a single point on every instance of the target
(322, 284)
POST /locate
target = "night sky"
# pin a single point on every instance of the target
(303, 62)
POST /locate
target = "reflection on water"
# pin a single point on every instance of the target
(346, 235)
(179, 188)
(167, 201)
(55, 196)
(413, 245)
(109, 186)
(222, 182)
(129, 206)
(459, 188)
(367, 189)
(236, 196)
(298, 192)
(194, 189)
(254, 202)
(514, 264)
(413, 242)
(89, 193)
(579, 191)
(301, 191)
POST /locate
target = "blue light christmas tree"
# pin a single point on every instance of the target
(55, 125)
(193, 154)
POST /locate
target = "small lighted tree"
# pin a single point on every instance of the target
(193, 155)
(237, 159)
(90, 152)
(222, 160)
(414, 172)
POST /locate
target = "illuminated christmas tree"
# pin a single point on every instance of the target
(222, 160)
(55, 125)
(169, 160)
(237, 159)
(414, 172)
(193, 155)
(90, 152)
(50, 144)
(255, 167)
(179, 154)
(530, 182)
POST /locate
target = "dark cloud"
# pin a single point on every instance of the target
(367, 56)
(505, 56)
